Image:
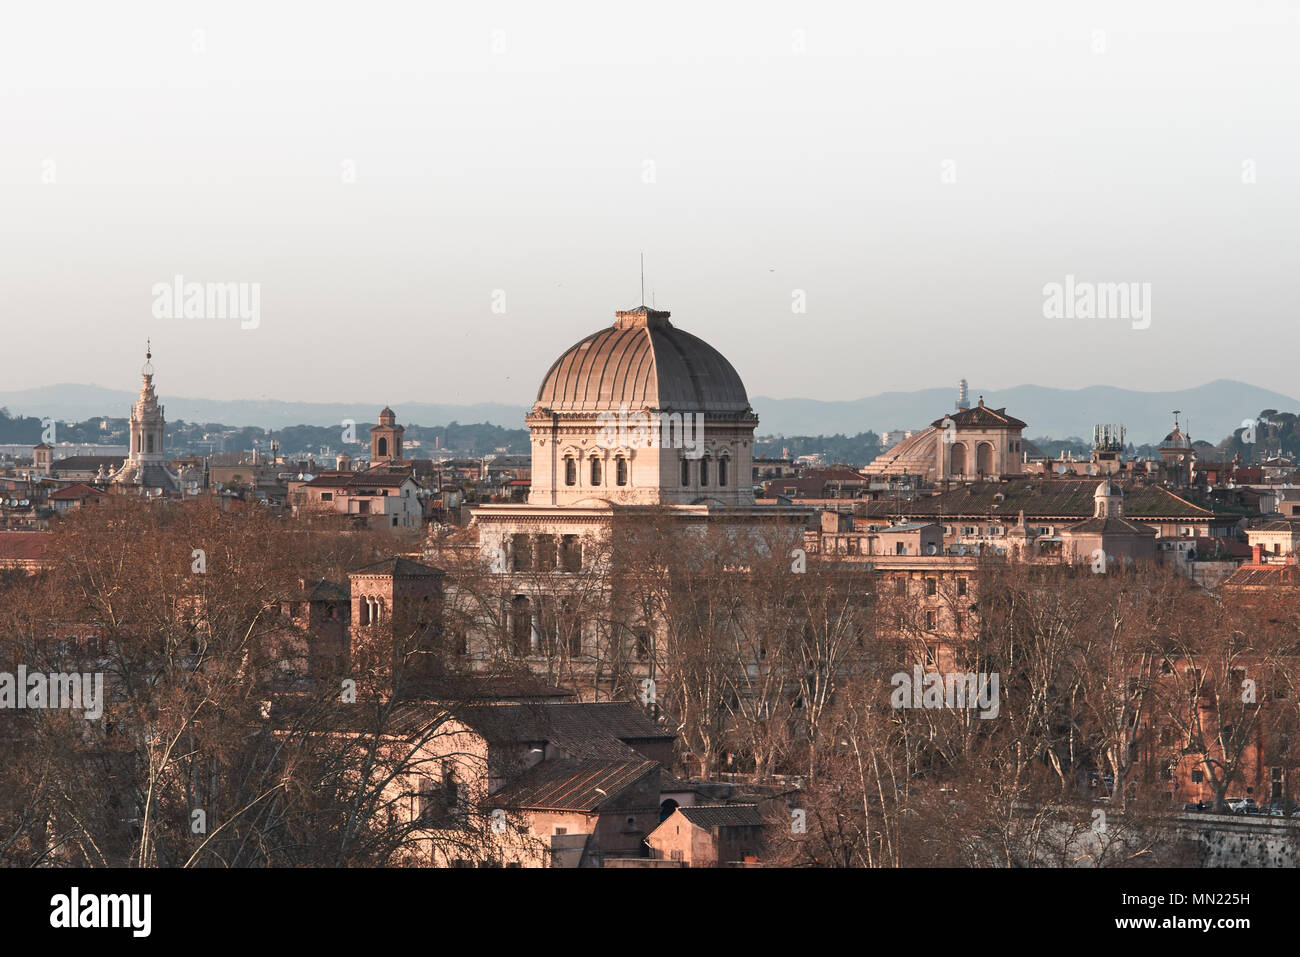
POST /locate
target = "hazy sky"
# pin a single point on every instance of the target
(919, 171)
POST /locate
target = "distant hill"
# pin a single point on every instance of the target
(78, 402)
(1210, 412)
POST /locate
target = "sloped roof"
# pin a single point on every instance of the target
(323, 590)
(397, 568)
(1264, 576)
(981, 416)
(1042, 498)
(75, 492)
(572, 785)
(722, 815)
(583, 729)
(1111, 525)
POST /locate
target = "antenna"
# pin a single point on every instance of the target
(643, 277)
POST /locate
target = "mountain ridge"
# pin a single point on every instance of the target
(1210, 411)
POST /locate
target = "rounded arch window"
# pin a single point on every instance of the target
(595, 471)
(620, 470)
(570, 471)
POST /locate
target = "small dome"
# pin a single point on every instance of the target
(1176, 440)
(1106, 489)
(642, 361)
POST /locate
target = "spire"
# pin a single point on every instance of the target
(147, 368)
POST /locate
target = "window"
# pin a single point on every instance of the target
(642, 637)
(570, 553)
(931, 620)
(931, 586)
(704, 471)
(961, 586)
(327, 496)
(620, 471)
(570, 471)
(686, 471)
(546, 553)
(521, 552)
(595, 471)
(1198, 777)
(722, 472)
(521, 625)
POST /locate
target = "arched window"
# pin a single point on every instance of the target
(620, 470)
(570, 471)
(595, 472)
(722, 472)
(984, 458)
(686, 471)
(149, 442)
(704, 471)
(382, 447)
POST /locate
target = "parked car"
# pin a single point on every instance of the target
(1242, 805)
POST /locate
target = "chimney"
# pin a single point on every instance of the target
(1256, 554)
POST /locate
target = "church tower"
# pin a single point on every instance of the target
(146, 466)
(386, 439)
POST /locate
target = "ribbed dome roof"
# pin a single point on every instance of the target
(642, 361)
(915, 454)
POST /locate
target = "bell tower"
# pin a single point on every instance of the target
(386, 439)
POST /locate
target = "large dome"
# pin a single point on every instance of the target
(642, 361)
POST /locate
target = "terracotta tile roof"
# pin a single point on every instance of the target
(1112, 526)
(980, 416)
(379, 477)
(75, 492)
(722, 815)
(24, 546)
(1264, 576)
(1050, 498)
(568, 785)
